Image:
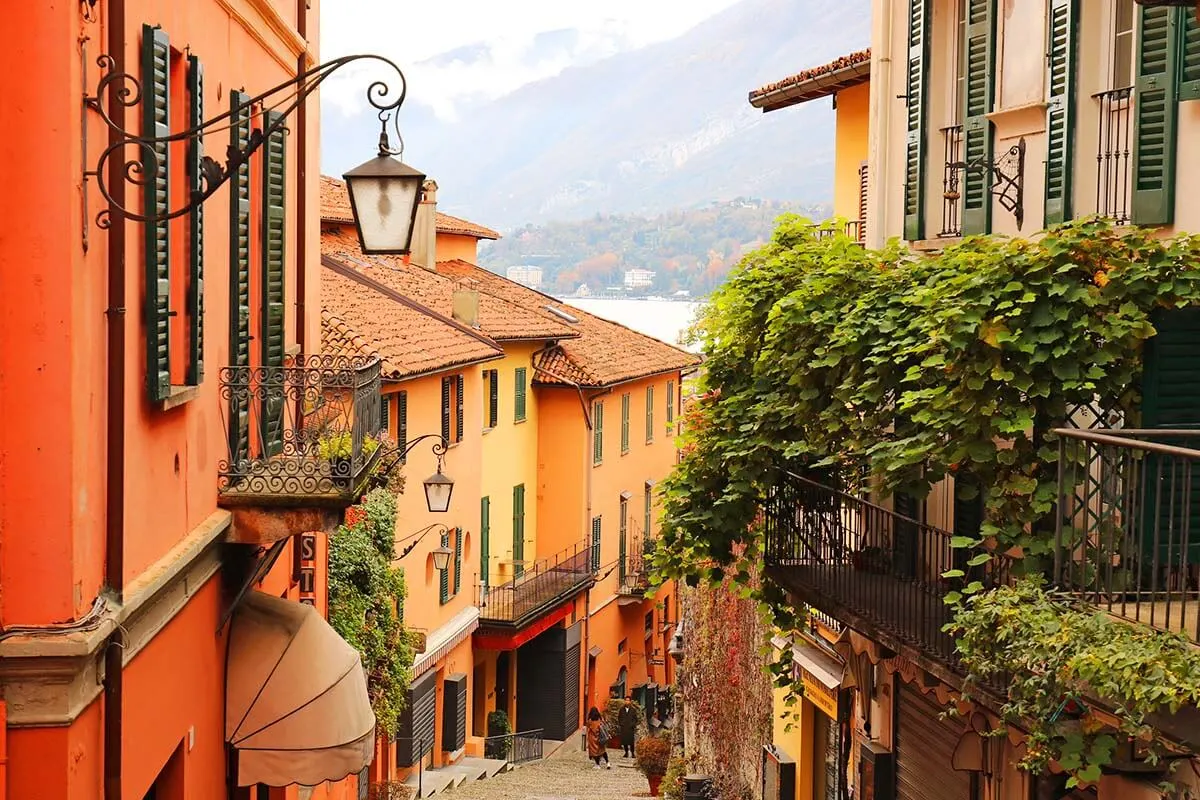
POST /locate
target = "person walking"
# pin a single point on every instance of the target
(627, 724)
(597, 738)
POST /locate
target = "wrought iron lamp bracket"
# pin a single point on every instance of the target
(439, 449)
(284, 98)
(1008, 178)
(437, 526)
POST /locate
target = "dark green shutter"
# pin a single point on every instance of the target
(977, 129)
(444, 575)
(156, 122)
(458, 408)
(494, 398)
(274, 160)
(446, 408)
(1155, 116)
(595, 543)
(485, 531)
(597, 433)
(648, 512)
(622, 544)
(385, 414)
(1060, 111)
(402, 423)
(670, 402)
(1189, 56)
(519, 528)
(914, 158)
(239, 279)
(520, 393)
(625, 423)
(458, 539)
(649, 413)
(195, 291)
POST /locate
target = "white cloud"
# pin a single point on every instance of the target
(413, 32)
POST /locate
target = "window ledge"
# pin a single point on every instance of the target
(180, 395)
(1020, 120)
(486, 431)
(521, 421)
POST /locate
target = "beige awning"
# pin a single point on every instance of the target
(296, 705)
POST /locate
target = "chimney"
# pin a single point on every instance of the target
(424, 239)
(466, 306)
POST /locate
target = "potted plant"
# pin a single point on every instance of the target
(498, 744)
(653, 755)
(337, 449)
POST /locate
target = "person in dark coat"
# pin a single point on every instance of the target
(627, 724)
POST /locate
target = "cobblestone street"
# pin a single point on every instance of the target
(565, 776)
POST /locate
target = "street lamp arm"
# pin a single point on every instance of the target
(439, 449)
(419, 536)
(284, 98)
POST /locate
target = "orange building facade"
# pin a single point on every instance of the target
(133, 544)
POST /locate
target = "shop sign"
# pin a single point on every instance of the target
(308, 568)
(820, 695)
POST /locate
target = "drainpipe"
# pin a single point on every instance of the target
(881, 100)
(301, 177)
(114, 496)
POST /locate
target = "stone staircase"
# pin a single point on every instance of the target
(444, 779)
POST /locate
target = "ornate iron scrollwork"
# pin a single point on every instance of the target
(284, 98)
(1008, 173)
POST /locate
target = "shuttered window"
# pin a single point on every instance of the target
(458, 408)
(625, 423)
(444, 575)
(385, 414)
(156, 122)
(597, 432)
(447, 387)
(485, 532)
(1189, 56)
(458, 554)
(518, 543)
(916, 92)
(670, 402)
(1155, 116)
(195, 287)
(622, 542)
(595, 544)
(648, 511)
(239, 274)
(977, 129)
(649, 414)
(274, 161)
(1060, 111)
(402, 423)
(491, 380)
(519, 391)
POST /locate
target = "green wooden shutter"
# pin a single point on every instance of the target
(1060, 111)
(670, 402)
(621, 543)
(647, 522)
(274, 160)
(1155, 116)
(520, 393)
(402, 423)
(977, 129)
(195, 292)
(485, 532)
(156, 122)
(1189, 56)
(458, 539)
(446, 408)
(597, 432)
(649, 413)
(494, 399)
(914, 158)
(519, 528)
(458, 408)
(385, 414)
(239, 278)
(625, 423)
(595, 543)
(444, 575)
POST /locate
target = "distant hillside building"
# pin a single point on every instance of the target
(525, 275)
(639, 278)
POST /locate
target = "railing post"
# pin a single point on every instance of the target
(1060, 510)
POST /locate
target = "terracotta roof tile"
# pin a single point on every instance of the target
(499, 319)
(335, 207)
(604, 353)
(359, 318)
(819, 80)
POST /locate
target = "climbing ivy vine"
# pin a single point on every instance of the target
(823, 354)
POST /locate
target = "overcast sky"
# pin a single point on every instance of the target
(413, 31)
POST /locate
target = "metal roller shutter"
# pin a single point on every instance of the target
(924, 749)
(571, 695)
(454, 712)
(418, 722)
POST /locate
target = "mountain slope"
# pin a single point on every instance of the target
(666, 126)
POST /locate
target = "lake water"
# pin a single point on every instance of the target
(662, 319)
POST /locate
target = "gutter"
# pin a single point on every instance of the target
(813, 88)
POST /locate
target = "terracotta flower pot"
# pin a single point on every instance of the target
(655, 782)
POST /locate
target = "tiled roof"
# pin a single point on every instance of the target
(335, 207)
(499, 319)
(605, 352)
(361, 318)
(841, 73)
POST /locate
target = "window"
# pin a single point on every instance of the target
(595, 544)
(597, 432)
(385, 414)
(625, 423)
(444, 574)
(491, 385)
(519, 378)
(458, 555)
(621, 645)
(622, 541)
(670, 403)
(518, 541)
(402, 423)
(1122, 56)
(649, 623)
(649, 414)
(485, 530)
(452, 408)
(649, 510)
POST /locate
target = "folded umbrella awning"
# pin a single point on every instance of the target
(296, 705)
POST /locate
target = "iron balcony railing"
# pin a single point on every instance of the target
(952, 147)
(633, 568)
(304, 430)
(516, 748)
(1114, 151)
(1128, 531)
(865, 562)
(856, 229)
(539, 588)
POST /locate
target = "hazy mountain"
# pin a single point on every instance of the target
(662, 127)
